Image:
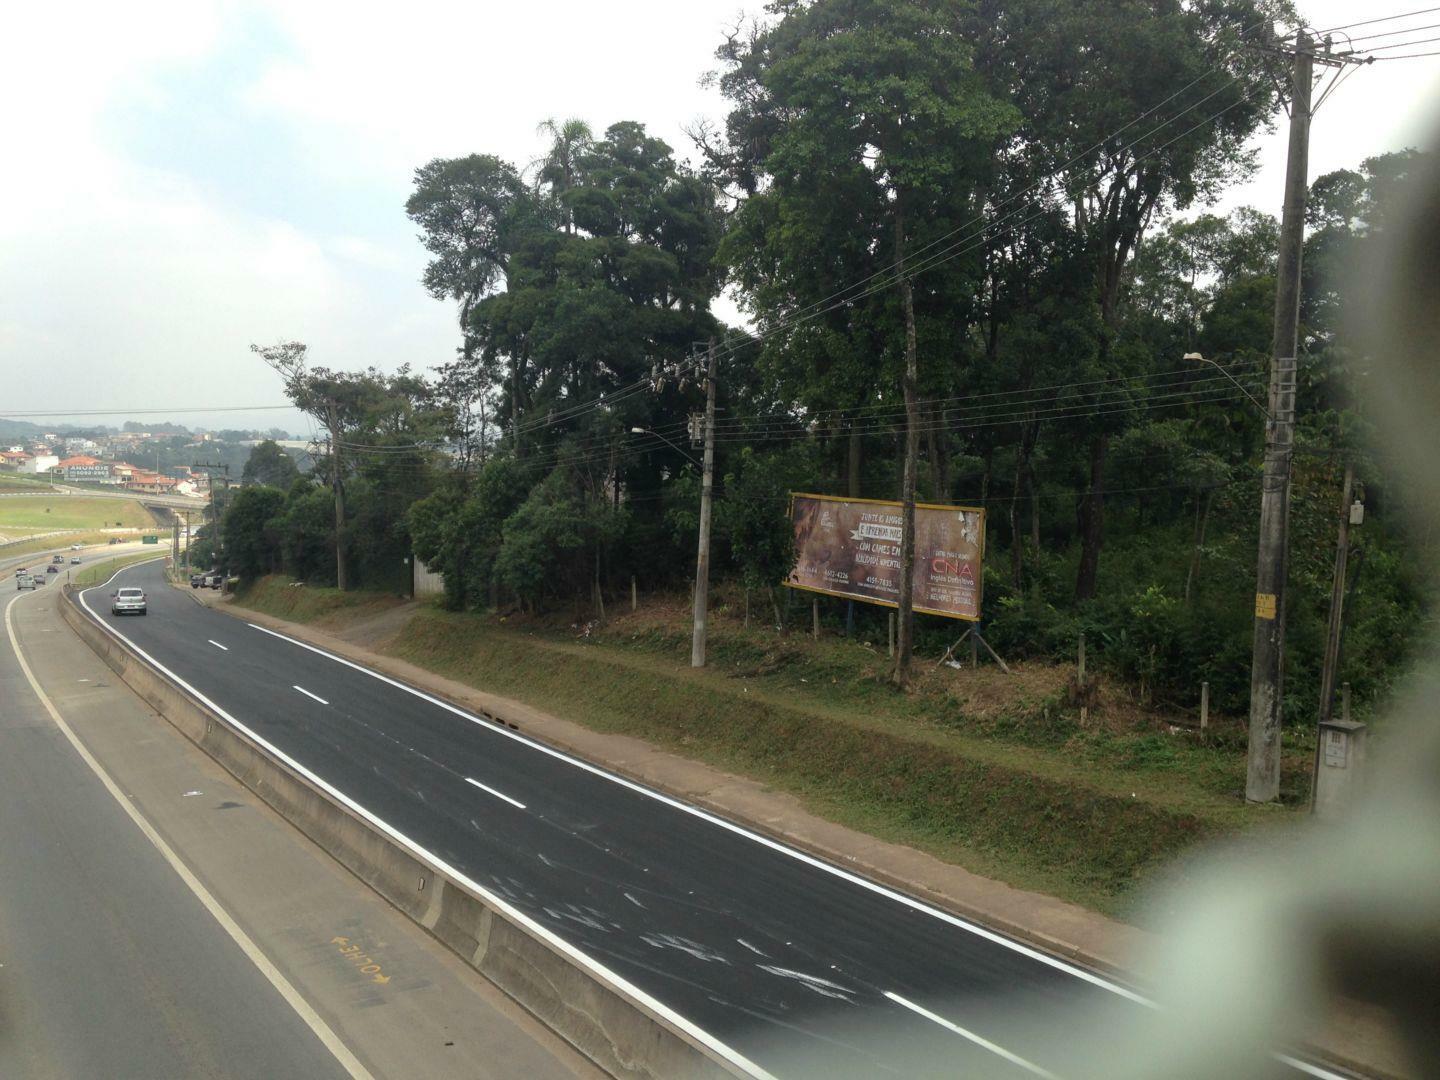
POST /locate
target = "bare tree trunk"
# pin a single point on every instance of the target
(1092, 521)
(1202, 516)
(985, 477)
(939, 454)
(852, 464)
(906, 615)
(1022, 471)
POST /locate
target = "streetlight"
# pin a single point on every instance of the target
(648, 431)
(1199, 359)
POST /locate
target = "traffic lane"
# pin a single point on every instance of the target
(746, 951)
(111, 966)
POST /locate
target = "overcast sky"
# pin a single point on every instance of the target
(185, 178)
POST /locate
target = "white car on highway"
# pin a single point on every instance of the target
(127, 601)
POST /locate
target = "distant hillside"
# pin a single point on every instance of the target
(20, 429)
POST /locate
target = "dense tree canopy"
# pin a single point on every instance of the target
(973, 241)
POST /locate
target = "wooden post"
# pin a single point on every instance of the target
(1080, 682)
(891, 651)
(1345, 701)
(1204, 709)
(815, 617)
(974, 647)
(634, 595)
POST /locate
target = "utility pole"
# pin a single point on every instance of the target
(332, 420)
(1262, 780)
(1330, 664)
(215, 511)
(702, 557)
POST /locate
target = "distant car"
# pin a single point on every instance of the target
(38, 579)
(74, 547)
(52, 569)
(197, 580)
(214, 581)
(114, 539)
(57, 558)
(127, 601)
(20, 570)
(24, 581)
(75, 560)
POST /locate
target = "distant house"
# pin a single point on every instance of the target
(151, 483)
(40, 463)
(13, 460)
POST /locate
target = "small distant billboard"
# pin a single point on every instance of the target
(851, 548)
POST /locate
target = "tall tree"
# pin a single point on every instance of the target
(861, 132)
(270, 465)
(1130, 107)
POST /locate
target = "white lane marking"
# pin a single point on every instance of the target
(978, 1040)
(739, 830)
(308, 694)
(348, 1061)
(498, 795)
(583, 959)
(222, 648)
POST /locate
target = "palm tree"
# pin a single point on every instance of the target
(569, 140)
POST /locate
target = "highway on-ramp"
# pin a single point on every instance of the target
(780, 961)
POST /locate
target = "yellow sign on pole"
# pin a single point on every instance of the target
(1265, 605)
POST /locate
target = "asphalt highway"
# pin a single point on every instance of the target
(783, 963)
(108, 964)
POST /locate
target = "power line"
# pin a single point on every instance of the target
(1381, 19)
(1391, 33)
(147, 412)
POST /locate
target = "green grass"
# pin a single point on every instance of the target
(12, 482)
(95, 573)
(1010, 787)
(42, 513)
(47, 543)
(312, 603)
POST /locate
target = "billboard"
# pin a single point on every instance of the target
(851, 548)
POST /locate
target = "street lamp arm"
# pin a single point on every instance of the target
(678, 449)
(1238, 384)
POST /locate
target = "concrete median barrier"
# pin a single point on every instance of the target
(623, 1035)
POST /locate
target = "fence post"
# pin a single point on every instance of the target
(815, 617)
(634, 595)
(1080, 682)
(891, 620)
(1204, 709)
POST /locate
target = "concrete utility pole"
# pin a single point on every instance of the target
(1331, 663)
(215, 510)
(1262, 780)
(702, 557)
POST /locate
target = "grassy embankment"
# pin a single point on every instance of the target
(95, 573)
(46, 543)
(23, 485)
(23, 515)
(990, 772)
